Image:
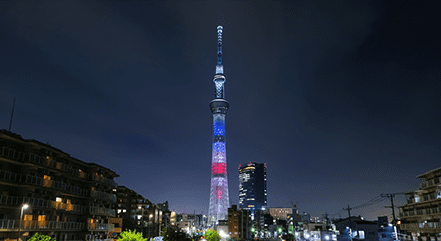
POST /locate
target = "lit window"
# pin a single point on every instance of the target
(58, 199)
(361, 234)
(124, 210)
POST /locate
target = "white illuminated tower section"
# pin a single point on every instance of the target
(219, 201)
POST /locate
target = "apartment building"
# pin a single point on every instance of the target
(239, 223)
(138, 212)
(420, 217)
(45, 190)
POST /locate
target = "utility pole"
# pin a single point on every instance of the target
(349, 214)
(12, 115)
(391, 195)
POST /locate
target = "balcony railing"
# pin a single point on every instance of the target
(9, 176)
(103, 195)
(40, 225)
(7, 223)
(104, 180)
(415, 227)
(32, 225)
(51, 163)
(100, 227)
(41, 203)
(15, 178)
(102, 211)
(11, 153)
(10, 200)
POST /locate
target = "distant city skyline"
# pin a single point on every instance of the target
(340, 99)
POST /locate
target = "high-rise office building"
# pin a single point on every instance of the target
(219, 201)
(252, 187)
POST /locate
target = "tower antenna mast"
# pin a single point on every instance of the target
(219, 197)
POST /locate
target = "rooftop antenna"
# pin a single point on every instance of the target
(12, 115)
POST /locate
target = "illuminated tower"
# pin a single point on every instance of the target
(219, 201)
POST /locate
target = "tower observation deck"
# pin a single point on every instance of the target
(219, 200)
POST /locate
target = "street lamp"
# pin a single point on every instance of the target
(25, 206)
(150, 217)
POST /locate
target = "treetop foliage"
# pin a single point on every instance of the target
(211, 235)
(41, 237)
(129, 235)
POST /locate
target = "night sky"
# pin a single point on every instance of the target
(339, 98)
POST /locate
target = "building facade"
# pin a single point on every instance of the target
(252, 186)
(219, 200)
(239, 223)
(138, 212)
(45, 190)
(420, 217)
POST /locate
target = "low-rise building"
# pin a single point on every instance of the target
(138, 212)
(420, 217)
(45, 190)
(239, 225)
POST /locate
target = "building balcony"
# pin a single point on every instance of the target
(104, 180)
(68, 207)
(103, 196)
(427, 212)
(7, 224)
(31, 225)
(9, 153)
(423, 201)
(41, 203)
(101, 227)
(102, 211)
(12, 154)
(51, 225)
(416, 228)
(51, 163)
(14, 178)
(8, 176)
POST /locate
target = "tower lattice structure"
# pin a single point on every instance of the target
(219, 200)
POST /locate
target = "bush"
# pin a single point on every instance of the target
(131, 236)
(41, 237)
(211, 235)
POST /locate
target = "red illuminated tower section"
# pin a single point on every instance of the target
(219, 200)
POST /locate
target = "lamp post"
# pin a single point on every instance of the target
(142, 218)
(25, 206)
(150, 226)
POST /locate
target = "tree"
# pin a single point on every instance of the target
(129, 235)
(41, 237)
(211, 235)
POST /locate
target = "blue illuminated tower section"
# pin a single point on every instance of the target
(219, 201)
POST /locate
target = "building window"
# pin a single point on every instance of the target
(417, 198)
